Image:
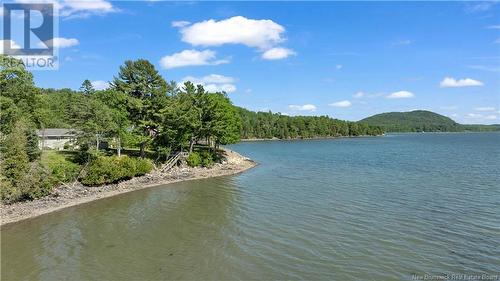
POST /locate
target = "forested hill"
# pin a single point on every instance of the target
(421, 121)
(268, 125)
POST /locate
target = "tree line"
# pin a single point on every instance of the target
(267, 125)
(140, 110)
(421, 121)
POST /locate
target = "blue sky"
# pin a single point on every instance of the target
(348, 60)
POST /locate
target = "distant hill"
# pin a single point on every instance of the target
(421, 121)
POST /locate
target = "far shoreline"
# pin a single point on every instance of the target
(75, 194)
(315, 138)
(364, 136)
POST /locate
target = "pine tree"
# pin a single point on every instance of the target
(15, 162)
(87, 88)
(147, 91)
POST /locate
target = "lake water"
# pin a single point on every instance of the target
(381, 208)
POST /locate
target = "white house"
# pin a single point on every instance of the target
(55, 138)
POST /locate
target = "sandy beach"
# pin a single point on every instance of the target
(73, 194)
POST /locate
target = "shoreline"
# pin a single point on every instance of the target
(316, 138)
(70, 195)
(364, 136)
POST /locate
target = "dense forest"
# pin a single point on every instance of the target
(123, 131)
(267, 125)
(421, 121)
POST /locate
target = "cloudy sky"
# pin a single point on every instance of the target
(348, 60)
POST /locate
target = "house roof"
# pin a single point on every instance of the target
(56, 132)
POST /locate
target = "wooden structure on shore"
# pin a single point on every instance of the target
(172, 161)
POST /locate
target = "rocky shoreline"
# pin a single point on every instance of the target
(69, 195)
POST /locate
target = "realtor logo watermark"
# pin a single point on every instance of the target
(29, 30)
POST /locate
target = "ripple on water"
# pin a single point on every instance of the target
(348, 209)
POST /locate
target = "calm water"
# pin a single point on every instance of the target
(348, 209)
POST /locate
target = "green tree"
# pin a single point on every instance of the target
(147, 92)
(32, 148)
(14, 162)
(9, 114)
(275, 125)
(95, 120)
(221, 122)
(117, 104)
(17, 84)
(87, 88)
(181, 119)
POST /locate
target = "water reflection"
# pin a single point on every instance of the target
(346, 209)
(158, 232)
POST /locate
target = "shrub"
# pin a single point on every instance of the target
(143, 166)
(207, 159)
(204, 158)
(162, 154)
(64, 172)
(86, 154)
(61, 167)
(34, 183)
(112, 169)
(22, 176)
(194, 159)
(126, 166)
(9, 192)
(100, 171)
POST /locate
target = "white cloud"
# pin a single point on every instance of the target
(213, 82)
(262, 34)
(277, 53)
(305, 107)
(190, 57)
(99, 6)
(344, 103)
(228, 88)
(216, 78)
(180, 23)
(79, 8)
(358, 95)
(497, 41)
(338, 66)
(400, 95)
(493, 27)
(450, 82)
(100, 84)
(59, 42)
(485, 108)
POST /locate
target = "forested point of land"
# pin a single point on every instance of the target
(422, 121)
(141, 118)
(268, 125)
